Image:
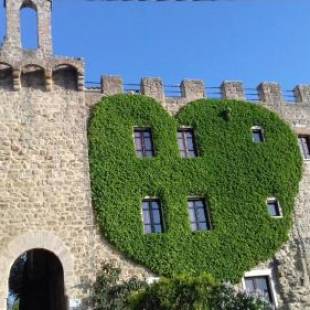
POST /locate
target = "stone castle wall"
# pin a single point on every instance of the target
(45, 197)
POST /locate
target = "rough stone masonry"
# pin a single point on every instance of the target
(45, 198)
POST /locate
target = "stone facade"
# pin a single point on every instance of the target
(45, 199)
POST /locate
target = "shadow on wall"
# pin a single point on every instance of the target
(34, 76)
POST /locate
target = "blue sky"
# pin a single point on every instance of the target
(247, 40)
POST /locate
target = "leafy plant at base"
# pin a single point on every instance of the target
(110, 293)
(200, 293)
(234, 175)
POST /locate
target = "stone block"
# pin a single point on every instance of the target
(153, 87)
(192, 89)
(111, 85)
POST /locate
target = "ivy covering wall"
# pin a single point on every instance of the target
(234, 175)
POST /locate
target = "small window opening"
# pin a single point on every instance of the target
(273, 207)
(198, 214)
(304, 144)
(187, 143)
(29, 27)
(259, 286)
(152, 216)
(144, 142)
(257, 134)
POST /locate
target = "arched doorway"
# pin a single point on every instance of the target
(37, 282)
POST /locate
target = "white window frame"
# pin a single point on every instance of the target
(279, 206)
(263, 273)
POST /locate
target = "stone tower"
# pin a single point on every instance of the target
(45, 196)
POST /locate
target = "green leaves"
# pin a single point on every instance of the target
(233, 174)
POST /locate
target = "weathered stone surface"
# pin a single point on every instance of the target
(44, 173)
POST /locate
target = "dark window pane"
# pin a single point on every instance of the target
(304, 143)
(273, 208)
(257, 135)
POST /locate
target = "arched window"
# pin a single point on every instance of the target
(65, 76)
(33, 76)
(29, 26)
(6, 76)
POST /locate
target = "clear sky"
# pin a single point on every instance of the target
(247, 40)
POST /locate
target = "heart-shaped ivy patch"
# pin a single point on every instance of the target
(245, 155)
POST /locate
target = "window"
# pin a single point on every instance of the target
(257, 134)
(259, 286)
(273, 207)
(198, 214)
(143, 142)
(186, 142)
(152, 216)
(304, 144)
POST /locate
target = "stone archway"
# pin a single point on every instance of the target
(37, 282)
(29, 241)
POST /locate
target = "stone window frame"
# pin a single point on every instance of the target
(278, 206)
(185, 153)
(260, 130)
(269, 275)
(142, 154)
(206, 214)
(161, 214)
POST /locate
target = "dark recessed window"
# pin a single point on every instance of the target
(273, 207)
(257, 134)
(152, 216)
(198, 214)
(144, 142)
(304, 144)
(186, 142)
(259, 286)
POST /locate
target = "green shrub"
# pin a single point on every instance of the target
(232, 173)
(110, 292)
(186, 293)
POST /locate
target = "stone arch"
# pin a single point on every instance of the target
(33, 75)
(35, 240)
(6, 76)
(28, 4)
(65, 76)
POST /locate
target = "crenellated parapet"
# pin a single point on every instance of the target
(269, 94)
